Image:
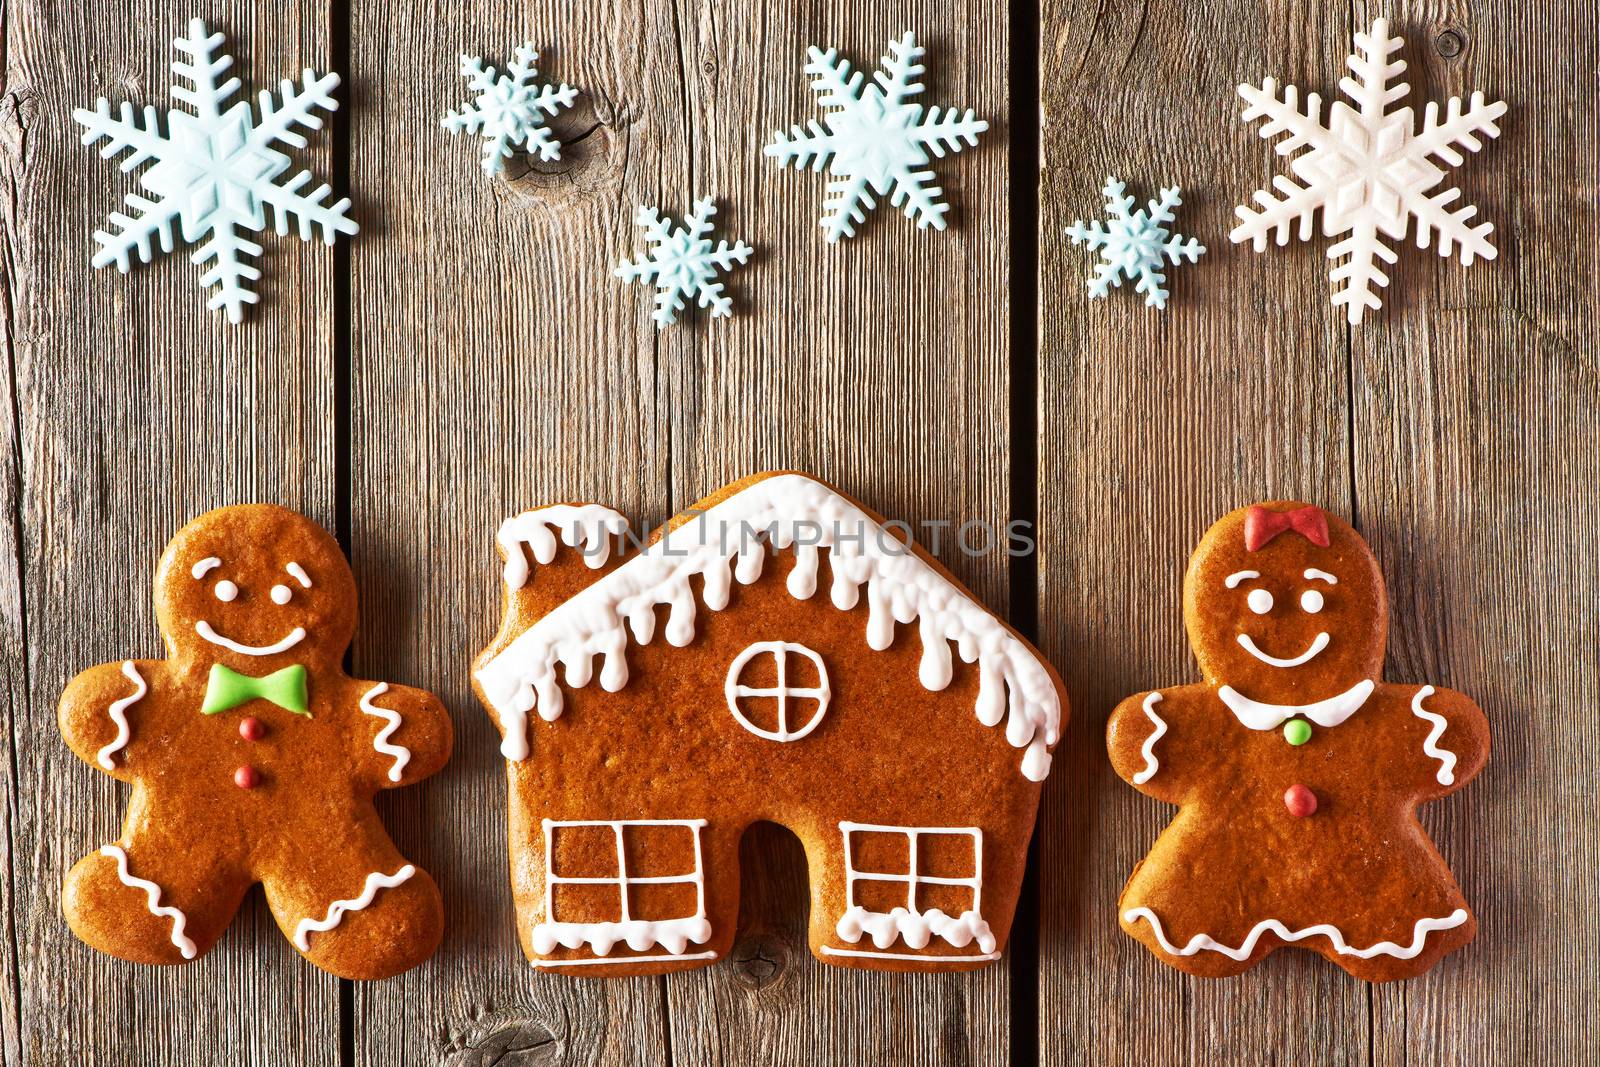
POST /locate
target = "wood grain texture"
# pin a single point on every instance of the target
(134, 409)
(1422, 424)
(495, 297)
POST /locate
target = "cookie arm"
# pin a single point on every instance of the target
(1134, 736)
(1452, 735)
(409, 732)
(99, 713)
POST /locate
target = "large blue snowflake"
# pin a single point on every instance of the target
(1135, 244)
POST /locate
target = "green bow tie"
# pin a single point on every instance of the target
(227, 689)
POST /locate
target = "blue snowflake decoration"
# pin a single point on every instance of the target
(683, 263)
(509, 109)
(1135, 244)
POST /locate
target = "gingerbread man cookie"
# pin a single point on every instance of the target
(254, 758)
(1297, 770)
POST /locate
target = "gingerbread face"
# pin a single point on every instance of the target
(255, 586)
(1284, 603)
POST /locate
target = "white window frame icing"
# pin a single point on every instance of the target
(913, 878)
(625, 928)
(733, 689)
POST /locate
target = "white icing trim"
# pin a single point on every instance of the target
(381, 743)
(673, 935)
(336, 911)
(1420, 933)
(1258, 715)
(919, 957)
(298, 573)
(198, 571)
(294, 637)
(1318, 643)
(910, 923)
(781, 692)
(1323, 576)
(621, 961)
(791, 511)
(1232, 581)
(592, 524)
(1148, 750)
(152, 894)
(116, 711)
(1430, 747)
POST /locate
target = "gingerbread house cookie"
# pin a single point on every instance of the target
(254, 758)
(1297, 770)
(773, 653)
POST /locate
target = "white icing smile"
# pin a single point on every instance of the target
(1317, 645)
(292, 638)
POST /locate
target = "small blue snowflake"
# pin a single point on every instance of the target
(509, 109)
(683, 263)
(1134, 244)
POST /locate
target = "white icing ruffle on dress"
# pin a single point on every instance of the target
(916, 928)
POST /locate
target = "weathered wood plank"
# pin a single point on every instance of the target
(1477, 421)
(880, 364)
(1153, 425)
(138, 409)
(496, 365)
(576, 396)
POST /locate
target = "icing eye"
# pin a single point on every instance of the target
(1260, 601)
(1311, 600)
(226, 591)
(281, 594)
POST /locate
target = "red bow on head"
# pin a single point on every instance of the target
(1261, 525)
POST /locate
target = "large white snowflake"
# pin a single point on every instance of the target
(683, 263)
(875, 139)
(510, 109)
(1368, 170)
(214, 170)
(1136, 244)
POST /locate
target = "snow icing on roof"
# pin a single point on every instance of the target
(727, 542)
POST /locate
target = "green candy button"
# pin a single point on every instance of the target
(1297, 731)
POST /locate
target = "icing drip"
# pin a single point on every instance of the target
(1151, 764)
(152, 894)
(381, 743)
(1430, 747)
(1331, 712)
(917, 928)
(1420, 933)
(592, 524)
(336, 911)
(721, 546)
(117, 712)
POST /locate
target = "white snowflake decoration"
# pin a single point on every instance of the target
(1368, 170)
(1136, 244)
(510, 109)
(875, 139)
(683, 263)
(214, 171)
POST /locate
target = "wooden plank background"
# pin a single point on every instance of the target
(469, 355)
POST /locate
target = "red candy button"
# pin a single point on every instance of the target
(252, 729)
(246, 777)
(1300, 801)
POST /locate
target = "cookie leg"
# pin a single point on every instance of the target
(139, 900)
(360, 912)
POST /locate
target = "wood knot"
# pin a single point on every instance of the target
(498, 1040)
(760, 960)
(1450, 43)
(594, 144)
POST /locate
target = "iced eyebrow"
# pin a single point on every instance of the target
(1236, 577)
(199, 570)
(299, 574)
(1323, 576)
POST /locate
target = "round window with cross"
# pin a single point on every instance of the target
(775, 685)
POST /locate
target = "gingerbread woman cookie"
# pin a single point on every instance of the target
(254, 758)
(1297, 770)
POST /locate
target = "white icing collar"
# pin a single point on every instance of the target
(1331, 712)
